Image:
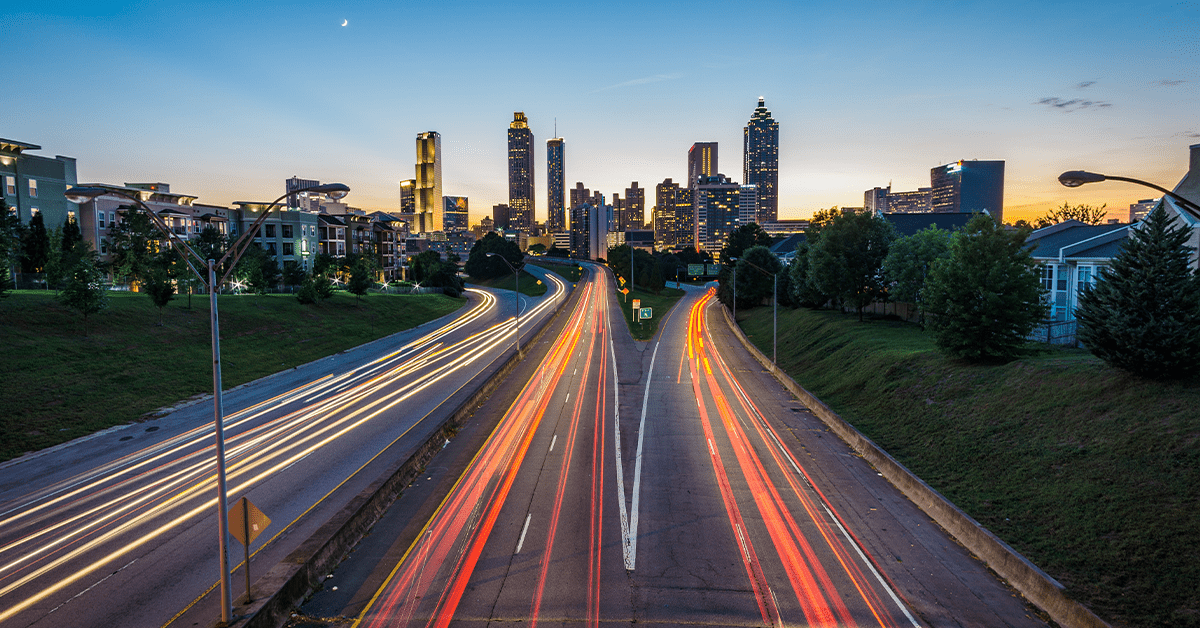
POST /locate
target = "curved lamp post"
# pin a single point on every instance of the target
(83, 194)
(1076, 178)
(774, 306)
(517, 294)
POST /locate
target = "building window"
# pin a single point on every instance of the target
(1086, 278)
(10, 186)
(100, 219)
(70, 216)
(33, 188)
(288, 248)
(271, 248)
(287, 230)
(270, 231)
(104, 247)
(33, 211)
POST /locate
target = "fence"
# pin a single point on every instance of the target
(1055, 333)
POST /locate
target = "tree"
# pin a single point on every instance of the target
(83, 290)
(909, 261)
(362, 276)
(480, 266)
(537, 249)
(316, 288)
(159, 284)
(293, 273)
(1083, 213)
(742, 238)
(133, 241)
(1143, 315)
(10, 246)
(753, 287)
(258, 269)
(803, 291)
(35, 246)
(554, 251)
(70, 236)
(845, 261)
(985, 297)
(55, 264)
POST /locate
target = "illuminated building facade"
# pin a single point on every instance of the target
(618, 218)
(32, 184)
(702, 161)
(760, 162)
(580, 194)
(969, 186)
(748, 205)
(876, 199)
(454, 214)
(428, 186)
(717, 210)
(520, 173)
(589, 231)
(635, 208)
(556, 219)
(408, 199)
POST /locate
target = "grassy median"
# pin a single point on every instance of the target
(60, 385)
(1091, 473)
(528, 285)
(659, 305)
(566, 269)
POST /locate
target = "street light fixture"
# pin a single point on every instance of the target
(774, 306)
(734, 260)
(83, 194)
(517, 294)
(1076, 178)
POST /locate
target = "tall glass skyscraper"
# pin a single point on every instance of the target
(520, 173)
(428, 193)
(969, 186)
(556, 220)
(760, 161)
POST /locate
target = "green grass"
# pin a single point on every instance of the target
(660, 304)
(1091, 473)
(60, 385)
(527, 284)
(569, 270)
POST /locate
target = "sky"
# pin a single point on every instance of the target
(225, 100)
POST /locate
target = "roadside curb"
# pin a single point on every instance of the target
(287, 583)
(1036, 585)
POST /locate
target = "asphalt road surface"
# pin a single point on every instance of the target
(119, 529)
(670, 482)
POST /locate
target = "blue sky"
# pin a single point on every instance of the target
(224, 100)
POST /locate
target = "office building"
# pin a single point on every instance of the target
(520, 173)
(635, 208)
(876, 199)
(717, 210)
(500, 217)
(748, 205)
(760, 162)
(702, 161)
(408, 199)
(428, 184)
(618, 223)
(454, 214)
(556, 219)
(33, 184)
(665, 235)
(589, 231)
(1138, 210)
(580, 194)
(969, 186)
(918, 201)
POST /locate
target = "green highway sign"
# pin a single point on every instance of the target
(645, 313)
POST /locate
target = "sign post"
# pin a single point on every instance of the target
(637, 305)
(246, 522)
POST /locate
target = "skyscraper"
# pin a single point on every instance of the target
(520, 173)
(580, 194)
(702, 161)
(969, 186)
(456, 211)
(556, 220)
(760, 161)
(408, 200)
(619, 223)
(428, 187)
(665, 234)
(717, 203)
(635, 207)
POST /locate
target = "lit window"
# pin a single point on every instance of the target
(33, 211)
(33, 188)
(10, 186)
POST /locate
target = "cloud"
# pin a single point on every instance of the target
(1073, 104)
(1170, 82)
(1085, 84)
(642, 81)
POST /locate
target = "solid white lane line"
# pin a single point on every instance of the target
(523, 531)
(552, 441)
(631, 536)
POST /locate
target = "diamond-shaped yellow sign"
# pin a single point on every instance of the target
(246, 521)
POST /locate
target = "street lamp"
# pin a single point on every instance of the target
(734, 260)
(517, 294)
(774, 306)
(83, 194)
(1076, 178)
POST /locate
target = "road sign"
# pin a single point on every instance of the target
(246, 521)
(624, 291)
(696, 270)
(637, 303)
(645, 313)
(714, 269)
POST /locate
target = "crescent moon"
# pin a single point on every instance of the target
(345, 22)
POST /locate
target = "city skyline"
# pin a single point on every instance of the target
(1043, 88)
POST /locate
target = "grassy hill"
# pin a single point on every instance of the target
(1090, 472)
(60, 385)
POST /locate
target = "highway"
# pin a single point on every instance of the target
(119, 529)
(668, 482)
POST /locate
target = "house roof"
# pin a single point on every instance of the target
(1074, 239)
(331, 219)
(788, 244)
(908, 224)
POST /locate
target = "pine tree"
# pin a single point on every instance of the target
(1144, 313)
(83, 291)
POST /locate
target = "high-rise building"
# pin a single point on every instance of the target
(685, 217)
(428, 187)
(665, 219)
(635, 208)
(589, 231)
(876, 199)
(520, 173)
(748, 205)
(702, 161)
(718, 205)
(500, 216)
(1138, 210)
(580, 194)
(408, 199)
(969, 186)
(556, 220)
(918, 201)
(455, 213)
(618, 221)
(760, 161)
(303, 201)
